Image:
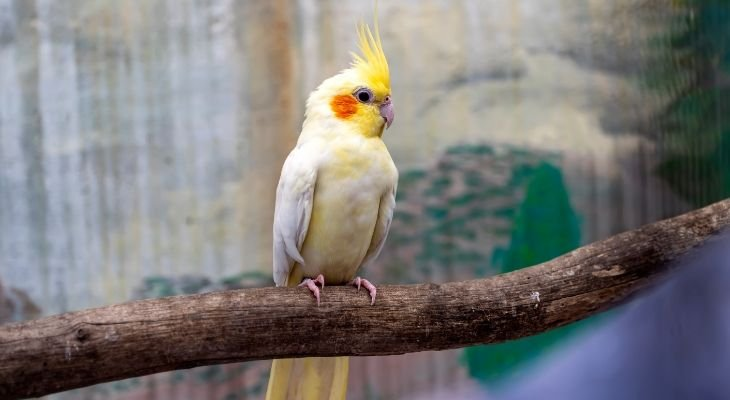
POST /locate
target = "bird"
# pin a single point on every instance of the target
(334, 203)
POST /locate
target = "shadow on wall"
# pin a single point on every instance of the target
(16, 305)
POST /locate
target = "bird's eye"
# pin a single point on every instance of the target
(364, 95)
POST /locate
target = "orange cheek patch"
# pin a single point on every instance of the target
(344, 106)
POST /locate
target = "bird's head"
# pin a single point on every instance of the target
(358, 98)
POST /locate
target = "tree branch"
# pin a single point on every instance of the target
(81, 348)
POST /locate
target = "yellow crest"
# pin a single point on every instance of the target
(372, 64)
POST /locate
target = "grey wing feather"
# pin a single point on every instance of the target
(293, 210)
(380, 233)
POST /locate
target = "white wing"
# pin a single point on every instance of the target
(294, 197)
(382, 226)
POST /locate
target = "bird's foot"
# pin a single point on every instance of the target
(311, 284)
(357, 282)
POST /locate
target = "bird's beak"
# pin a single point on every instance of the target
(386, 111)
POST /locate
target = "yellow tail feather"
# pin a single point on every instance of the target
(314, 378)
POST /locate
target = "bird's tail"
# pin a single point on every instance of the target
(314, 378)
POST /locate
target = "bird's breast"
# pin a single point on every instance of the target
(350, 185)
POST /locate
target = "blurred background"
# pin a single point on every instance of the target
(141, 143)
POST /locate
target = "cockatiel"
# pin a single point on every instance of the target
(334, 203)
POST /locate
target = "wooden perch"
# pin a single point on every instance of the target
(82, 348)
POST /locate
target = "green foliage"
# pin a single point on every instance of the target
(545, 225)
(468, 149)
(451, 216)
(157, 286)
(162, 286)
(246, 279)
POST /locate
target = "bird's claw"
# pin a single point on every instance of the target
(311, 284)
(357, 282)
(320, 280)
